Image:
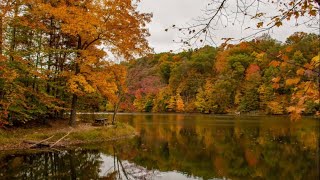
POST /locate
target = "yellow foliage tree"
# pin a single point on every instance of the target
(172, 104)
(179, 103)
(116, 25)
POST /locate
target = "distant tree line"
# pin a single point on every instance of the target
(261, 75)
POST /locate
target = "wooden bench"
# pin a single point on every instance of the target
(101, 122)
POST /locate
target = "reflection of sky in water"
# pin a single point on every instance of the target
(173, 175)
(107, 166)
(132, 170)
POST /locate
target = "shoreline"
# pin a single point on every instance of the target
(195, 113)
(63, 135)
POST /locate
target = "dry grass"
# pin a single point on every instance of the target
(82, 133)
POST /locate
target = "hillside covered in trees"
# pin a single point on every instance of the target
(261, 75)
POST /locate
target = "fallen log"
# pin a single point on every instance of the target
(37, 144)
(40, 142)
(60, 139)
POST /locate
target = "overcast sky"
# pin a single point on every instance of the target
(180, 12)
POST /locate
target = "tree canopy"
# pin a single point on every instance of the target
(262, 75)
(52, 53)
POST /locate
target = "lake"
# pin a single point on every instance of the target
(182, 146)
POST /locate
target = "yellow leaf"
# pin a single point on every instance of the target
(275, 107)
(260, 24)
(276, 86)
(285, 58)
(315, 61)
(296, 13)
(284, 64)
(313, 12)
(276, 80)
(274, 63)
(289, 49)
(300, 72)
(291, 109)
(293, 81)
(308, 66)
(278, 23)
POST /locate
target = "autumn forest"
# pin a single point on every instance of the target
(170, 89)
(50, 54)
(262, 75)
(54, 60)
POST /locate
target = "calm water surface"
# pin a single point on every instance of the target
(183, 146)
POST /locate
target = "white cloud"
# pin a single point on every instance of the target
(180, 12)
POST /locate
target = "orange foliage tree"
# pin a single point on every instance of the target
(58, 45)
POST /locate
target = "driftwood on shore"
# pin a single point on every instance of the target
(40, 143)
(60, 139)
(36, 144)
(45, 142)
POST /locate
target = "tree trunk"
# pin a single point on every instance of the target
(73, 114)
(51, 40)
(116, 107)
(73, 174)
(13, 43)
(1, 36)
(37, 60)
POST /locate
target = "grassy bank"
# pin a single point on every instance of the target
(82, 133)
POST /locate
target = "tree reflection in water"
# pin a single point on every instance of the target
(70, 164)
(126, 170)
(241, 148)
(184, 147)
